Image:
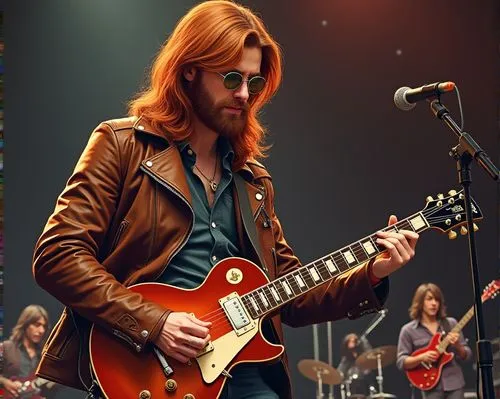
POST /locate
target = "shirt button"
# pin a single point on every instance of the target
(190, 151)
(144, 333)
(214, 225)
(259, 196)
(149, 163)
(214, 258)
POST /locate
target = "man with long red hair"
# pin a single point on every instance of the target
(153, 198)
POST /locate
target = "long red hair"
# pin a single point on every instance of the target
(211, 36)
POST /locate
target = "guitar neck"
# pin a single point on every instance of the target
(285, 289)
(460, 325)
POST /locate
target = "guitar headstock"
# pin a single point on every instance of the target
(446, 213)
(491, 290)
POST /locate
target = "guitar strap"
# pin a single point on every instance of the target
(445, 324)
(248, 220)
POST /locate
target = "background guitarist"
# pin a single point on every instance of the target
(153, 199)
(21, 352)
(428, 311)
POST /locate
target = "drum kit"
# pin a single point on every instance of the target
(374, 359)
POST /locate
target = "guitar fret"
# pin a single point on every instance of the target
(314, 273)
(349, 256)
(331, 266)
(275, 294)
(257, 299)
(299, 280)
(360, 253)
(418, 222)
(263, 299)
(269, 296)
(307, 277)
(287, 288)
(293, 284)
(342, 265)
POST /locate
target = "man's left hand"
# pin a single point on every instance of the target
(400, 249)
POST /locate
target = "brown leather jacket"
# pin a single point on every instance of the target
(121, 218)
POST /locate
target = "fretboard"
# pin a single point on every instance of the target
(285, 289)
(460, 325)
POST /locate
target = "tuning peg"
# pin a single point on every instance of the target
(463, 230)
(476, 228)
(452, 235)
(440, 196)
(429, 199)
(452, 192)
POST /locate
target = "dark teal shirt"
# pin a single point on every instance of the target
(214, 236)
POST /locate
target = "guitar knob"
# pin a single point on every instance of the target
(452, 192)
(145, 394)
(171, 385)
(188, 396)
(452, 235)
(463, 230)
(476, 228)
(440, 196)
(429, 199)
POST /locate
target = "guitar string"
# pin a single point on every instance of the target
(357, 250)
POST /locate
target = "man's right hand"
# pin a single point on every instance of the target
(183, 336)
(12, 387)
(429, 356)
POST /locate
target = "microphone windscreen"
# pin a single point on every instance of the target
(400, 100)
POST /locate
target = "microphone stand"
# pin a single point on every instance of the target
(467, 150)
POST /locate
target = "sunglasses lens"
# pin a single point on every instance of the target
(232, 80)
(256, 84)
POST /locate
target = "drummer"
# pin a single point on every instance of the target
(358, 381)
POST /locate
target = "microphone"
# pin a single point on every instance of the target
(405, 98)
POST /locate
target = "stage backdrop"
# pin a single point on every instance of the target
(343, 157)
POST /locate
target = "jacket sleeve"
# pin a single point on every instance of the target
(351, 294)
(65, 261)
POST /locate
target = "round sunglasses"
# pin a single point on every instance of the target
(233, 80)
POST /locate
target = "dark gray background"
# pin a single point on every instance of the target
(343, 156)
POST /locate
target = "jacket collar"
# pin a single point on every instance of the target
(167, 167)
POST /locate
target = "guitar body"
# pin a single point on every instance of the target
(426, 376)
(124, 373)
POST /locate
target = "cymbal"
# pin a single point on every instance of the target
(368, 359)
(310, 368)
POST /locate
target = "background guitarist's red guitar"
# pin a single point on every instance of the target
(30, 389)
(236, 296)
(426, 375)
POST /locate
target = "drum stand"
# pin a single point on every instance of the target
(380, 377)
(319, 392)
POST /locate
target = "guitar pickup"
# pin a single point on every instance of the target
(237, 314)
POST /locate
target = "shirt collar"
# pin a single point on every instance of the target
(223, 146)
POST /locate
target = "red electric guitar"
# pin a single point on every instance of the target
(426, 375)
(30, 389)
(236, 296)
